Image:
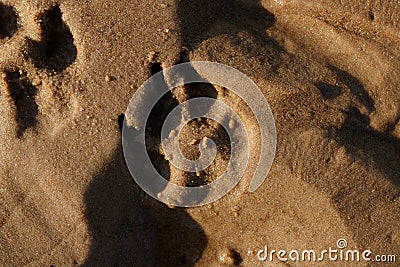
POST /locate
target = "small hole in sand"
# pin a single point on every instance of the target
(8, 21)
(121, 119)
(231, 258)
(371, 16)
(237, 259)
(155, 68)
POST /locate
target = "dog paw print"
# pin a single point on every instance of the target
(32, 70)
(56, 51)
(22, 94)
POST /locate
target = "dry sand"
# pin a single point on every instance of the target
(329, 69)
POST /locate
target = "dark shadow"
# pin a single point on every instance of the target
(23, 95)
(356, 87)
(328, 91)
(129, 228)
(56, 51)
(8, 21)
(237, 259)
(155, 123)
(382, 149)
(121, 119)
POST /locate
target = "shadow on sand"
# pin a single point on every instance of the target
(131, 229)
(128, 227)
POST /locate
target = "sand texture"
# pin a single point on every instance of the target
(329, 70)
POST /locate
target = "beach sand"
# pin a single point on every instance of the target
(68, 69)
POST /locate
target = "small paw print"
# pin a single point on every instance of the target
(56, 51)
(23, 94)
(31, 71)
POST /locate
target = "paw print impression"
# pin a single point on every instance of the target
(56, 51)
(32, 90)
(23, 95)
